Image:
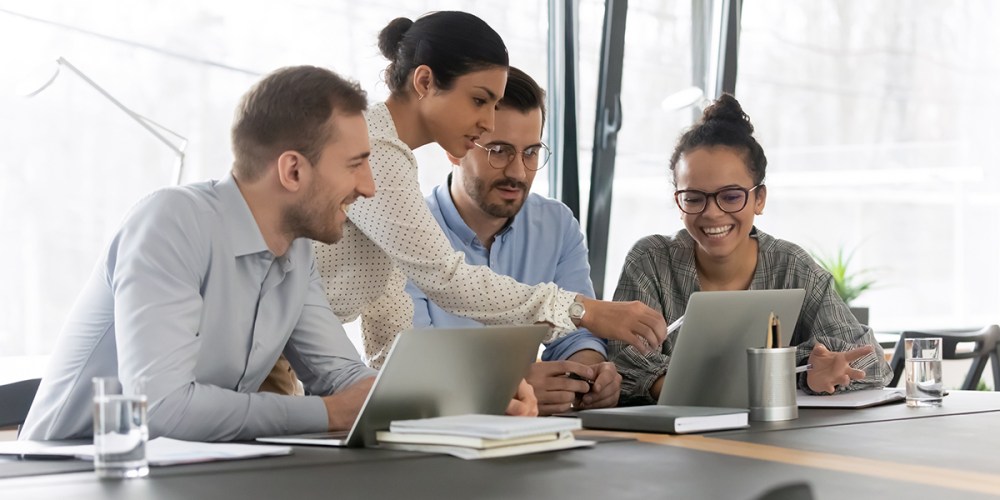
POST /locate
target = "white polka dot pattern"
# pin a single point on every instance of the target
(394, 235)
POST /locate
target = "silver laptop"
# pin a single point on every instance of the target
(708, 366)
(435, 372)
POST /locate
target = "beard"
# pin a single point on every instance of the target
(314, 219)
(478, 191)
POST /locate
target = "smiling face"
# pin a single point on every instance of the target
(495, 192)
(459, 116)
(340, 176)
(719, 235)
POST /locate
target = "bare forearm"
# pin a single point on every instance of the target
(587, 357)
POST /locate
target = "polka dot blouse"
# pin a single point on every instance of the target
(393, 236)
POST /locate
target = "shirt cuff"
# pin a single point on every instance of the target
(559, 315)
(575, 342)
(646, 383)
(306, 414)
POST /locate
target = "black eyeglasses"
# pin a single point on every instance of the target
(501, 155)
(729, 200)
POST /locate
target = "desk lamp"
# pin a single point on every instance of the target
(144, 122)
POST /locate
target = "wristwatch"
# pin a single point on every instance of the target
(576, 312)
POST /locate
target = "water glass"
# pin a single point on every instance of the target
(120, 431)
(923, 372)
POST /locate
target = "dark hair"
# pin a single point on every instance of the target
(522, 93)
(451, 43)
(289, 110)
(723, 124)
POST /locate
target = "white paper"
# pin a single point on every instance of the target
(159, 451)
(850, 399)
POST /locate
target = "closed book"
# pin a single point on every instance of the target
(485, 426)
(564, 442)
(464, 441)
(665, 418)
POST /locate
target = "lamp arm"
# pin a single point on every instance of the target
(180, 150)
(141, 120)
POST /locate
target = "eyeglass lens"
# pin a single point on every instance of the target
(729, 200)
(501, 155)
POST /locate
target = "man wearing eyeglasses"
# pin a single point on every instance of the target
(487, 211)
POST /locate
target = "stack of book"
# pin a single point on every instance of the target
(482, 436)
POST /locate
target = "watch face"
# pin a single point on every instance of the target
(576, 310)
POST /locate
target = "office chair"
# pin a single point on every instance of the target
(15, 400)
(790, 491)
(987, 348)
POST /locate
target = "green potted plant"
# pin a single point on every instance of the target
(848, 283)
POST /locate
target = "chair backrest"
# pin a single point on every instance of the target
(791, 491)
(15, 400)
(986, 344)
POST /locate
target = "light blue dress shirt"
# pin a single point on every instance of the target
(188, 296)
(543, 244)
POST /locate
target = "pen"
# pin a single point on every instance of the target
(803, 368)
(577, 377)
(675, 325)
(44, 456)
(774, 331)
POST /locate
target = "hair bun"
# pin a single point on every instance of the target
(727, 109)
(391, 35)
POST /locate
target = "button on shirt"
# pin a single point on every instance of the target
(189, 296)
(392, 236)
(542, 244)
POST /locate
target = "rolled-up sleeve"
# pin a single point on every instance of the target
(160, 258)
(639, 372)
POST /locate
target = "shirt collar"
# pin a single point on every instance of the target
(244, 234)
(452, 219)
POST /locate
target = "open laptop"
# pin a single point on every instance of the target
(435, 372)
(708, 366)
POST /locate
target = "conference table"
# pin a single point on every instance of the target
(889, 451)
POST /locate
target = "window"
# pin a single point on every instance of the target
(879, 122)
(657, 63)
(73, 164)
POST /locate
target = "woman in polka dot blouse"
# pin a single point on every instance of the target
(446, 73)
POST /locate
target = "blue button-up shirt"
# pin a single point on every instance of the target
(189, 297)
(542, 244)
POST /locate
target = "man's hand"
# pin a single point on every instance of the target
(524, 403)
(555, 390)
(830, 369)
(606, 388)
(631, 322)
(342, 407)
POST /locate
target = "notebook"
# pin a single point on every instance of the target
(482, 436)
(665, 419)
(485, 426)
(565, 441)
(433, 372)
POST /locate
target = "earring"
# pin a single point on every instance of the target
(421, 97)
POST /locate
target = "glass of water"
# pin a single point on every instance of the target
(923, 372)
(120, 431)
